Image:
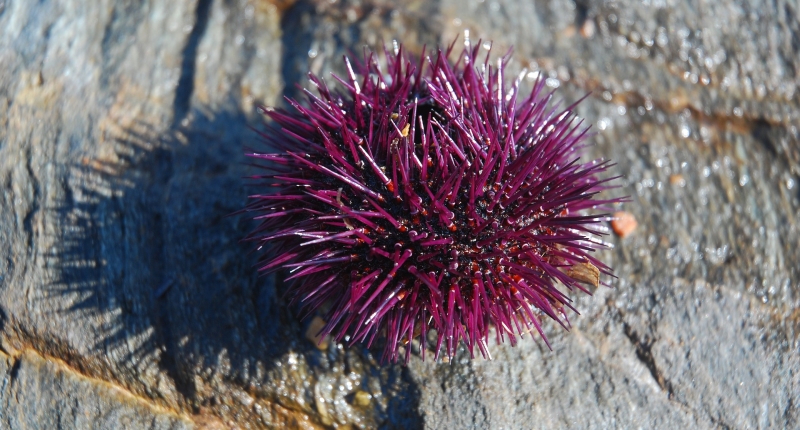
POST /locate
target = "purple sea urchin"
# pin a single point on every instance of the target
(429, 197)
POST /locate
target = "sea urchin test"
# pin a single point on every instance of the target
(428, 198)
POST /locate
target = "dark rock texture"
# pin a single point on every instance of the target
(127, 301)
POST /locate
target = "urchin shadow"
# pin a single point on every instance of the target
(89, 260)
(147, 258)
(150, 260)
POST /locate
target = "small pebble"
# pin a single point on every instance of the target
(587, 29)
(623, 224)
(362, 398)
(677, 179)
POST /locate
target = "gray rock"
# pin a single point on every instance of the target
(127, 301)
(39, 392)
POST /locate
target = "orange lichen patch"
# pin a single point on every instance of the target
(587, 273)
(623, 224)
(312, 333)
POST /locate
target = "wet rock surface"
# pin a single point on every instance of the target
(127, 301)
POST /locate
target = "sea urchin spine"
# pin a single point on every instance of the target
(430, 197)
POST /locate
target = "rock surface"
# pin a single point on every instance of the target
(126, 300)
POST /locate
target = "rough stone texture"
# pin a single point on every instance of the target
(126, 300)
(39, 393)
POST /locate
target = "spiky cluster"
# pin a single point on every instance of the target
(429, 197)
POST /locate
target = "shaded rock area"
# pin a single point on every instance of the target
(127, 301)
